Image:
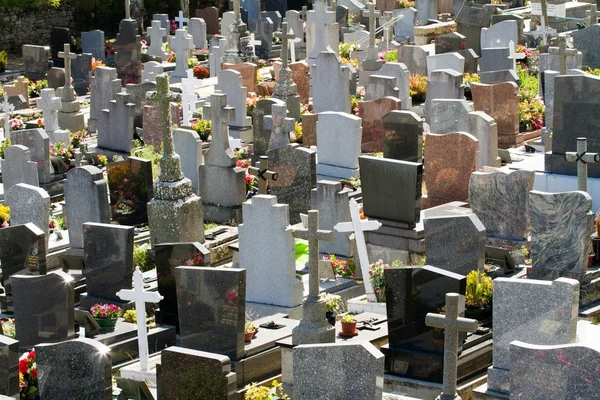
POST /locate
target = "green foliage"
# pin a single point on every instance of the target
(130, 316)
(249, 327)
(528, 84)
(147, 152)
(480, 290)
(391, 56)
(332, 302)
(3, 58)
(142, 259)
(203, 128)
(348, 318)
(595, 72)
(347, 48)
(209, 225)
(30, 4)
(3, 145)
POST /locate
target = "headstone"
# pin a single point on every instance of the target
(230, 84)
(331, 200)
(9, 366)
(43, 308)
(29, 204)
(151, 70)
(105, 87)
(331, 77)
(500, 34)
(443, 84)
(402, 75)
(157, 35)
(471, 18)
(300, 76)
(321, 18)
(274, 16)
(404, 27)
(227, 19)
(86, 363)
(58, 38)
(448, 115)
(501, 102)
(81, 71)
(93, 42)
(35, 61)
(128, 52)
(86, 199)
(338, 138)
(279, 125)
(449, 42)
(17, 167)
(583, 40)
(164, 22)
(253, 8)
(197, 28)
(50, 105)
(484, 128)
(130, 190)
(182, 44)
(212, 304)
(262, 134)
(249, 72)
(137, 96)
(403, 136)
(381, 86)
(452, 61)
(38, 144)
(188, 145)
(264, 27)
(426, 10)
(115, 125)
(56, 78)
(69, 117)
(372, 113)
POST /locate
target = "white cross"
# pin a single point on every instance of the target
(293, 48)
(157, 33)
(181, 19)
(182, 43)
(321, 18)
(50, 105)
(7, 108)
(359, 227)
(372, 14)
(141, 297)
(188, 96)
(254, 42)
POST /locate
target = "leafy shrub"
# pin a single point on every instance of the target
(480, 290)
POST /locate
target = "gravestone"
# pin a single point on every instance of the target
(448, 115)
(93, 42)
(550, 304)
(280, 126)
(137, 96)
(403, 136)
(253, 8)
(17, 167)
(115, 126)
(372, 113)
(449, 42)
(58, 38)
(106, 273)
(36, 61)
(128, 55)
(484, 128)
(86, 363)
(182, 43)
(230, 84)
(130, 190)
(266, 224)
(87, 201)
(331, 77)
(501, 102)
(105, 87)
(379, 86)
(249, 73)
(338, 138)
(443, 84)
(471, 18)
(500, 34)
(9, 366)
(43, 308)
(29, 204)
(404, 27)
(151, 70)
(262, 134)
(320, 371)
(164, 22)
(50, 105)
(452, 61)
(197, 28)
(402, 75)
(264, 27)
(185, 373)
(331, 200)
(584, 41)
(455, 243)
(212, 307)
(426, 10)
(38, 143)
(56, 77)
(81, 72)
(157, 34)
(188, 145)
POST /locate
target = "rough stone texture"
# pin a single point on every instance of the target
(585, 41)
(500, 201)
(455, 243)
(391, 189)
(9, 366)
(29, 204)
(17, 167)
(332, 203)
(403, 136)
(188, 145)
(35, 61)
(185, 373)
(448, 115)
(537, 312)
(212, 309)
(501, 102)
(338, 138)
(262, 135)
(447, 173)
(561, 225)
(38, 143)
(443, 84)
(270, 274)
(76, 369)
(115, 125)
(210, 15)
(105, 87)
(331, 77)
(414, 57)
(87, 201)
(320, 371)
(372, 113)
(566, 371)
(452, 61)
(128, 54)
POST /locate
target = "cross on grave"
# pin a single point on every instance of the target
(49, 104)
(280, 126)
(321, 18)
(236, 11)
(263, 174)
(452, 325)
(582, 158)
(127, 9)
(141, 297)
(359, 226)
(591, 15)
(188, 96)
(254, 43)
(285, 36)
(6, 108)
(313, 235)
(157, 33)
(563, 52)
(513, 55)
(387, 15)
(180, 19)
(182, 43)
(221, 116)
(372, 14)
(68, 56)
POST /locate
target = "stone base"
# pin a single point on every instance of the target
(399, 236)
(508, 141)
(173, 221)
(246, 133)
(333, 172)
(86, 301)
(221, 214)
(73, 121)
(221, 186)
(260, 310)
(132, 371)
(314, 327)
(484, 393)
(110, 154)
(363, 76)
(498, 380)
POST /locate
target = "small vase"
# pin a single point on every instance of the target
(106, 323)
(330, 318)
(348, 327)
(248, 336)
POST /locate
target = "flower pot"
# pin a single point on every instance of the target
(248, 336)
(380, 295)
(348, 327)
(330, 318)
(106, 323)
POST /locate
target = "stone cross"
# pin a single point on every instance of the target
(359, 226)
(141, 297)
(582, 158)
(321, 18)
(7, 108)
(452, 325)
(180, 19)
(303, 13)
(236, 11)
(182, 43)
(188, 96)
(254, 43)
(170, 163)
(280, 126)
(263, 174)
(127, 9)
(68, 56)
(313, 235)
(50, 105)
(285, 36)
(591, 15)
(157, 33)
(563, 52)
(387, 15)
(372, 14)
(220, 153)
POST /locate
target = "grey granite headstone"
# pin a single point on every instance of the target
(585, 41)
(443, 84)
(115, 125)
(405, 26)
(17, 167)
(128, 52)
(380, 86)
(339, 137)
(402, 75)
(93, 42)
(447, 115)
(9, 367)
(332, 203)
(414, 57)
(537, 312)
(403, 136)
(331, 78)
(35, 61)
(137, 95)
(43, 308)
(81, 72)
(105, 87)
(485, 129)
(500, 34)
(452, 61)
(261, 134)
(87, 201)
(212, 309)
(197, 28)
(495, 59)
(506, 75)
(56, 78)
(75, 369)
(188, 145)
(449, 42)
(29, 204)
(321, 371)
(38, 143)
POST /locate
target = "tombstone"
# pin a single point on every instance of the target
(404, 27)
(29, 204)
(19, 87)
(188, 145)
(38, 144)
(264, 27)
(151, 70)
(448, 115)
(372, 113)
(318, 22)
(484, 128)
(212, 304)
(318, 360)
(36, 61)
(300, 76)
(391, 189)
(403, 136)
(130, 189)
(157, 35)
(449, 42)
(447, 173)
(17, 167)
(296, 25)
(339, 138)
(217, 49)
(496, 59)
(227, 19)
(583, 40)
(58, 38)
(86, 199)
(262, 134)
(168, 256)
(182, 43)
(210, 15)
(253, 9)
(452, 61)
(81, 71)
(249, 72)
(207, 374)
(500, 34)
(279, 125)
(197, 28)
(128, 52)
(455, 243)
(137, 96)
(230, 83)
(49, 104)
(550, 304)
(56, 78)
(501, 102)
(296, 170)
(443, 84)
(86, 363)
(115, 125)
(43, 308)
(331, 77)
(381, 86)
(402, 75)
(507, 75)
(93, 42)
(426, 10)
(105, 87)
(9, 366)
(331, 200)
(164, 22)
(471, 18)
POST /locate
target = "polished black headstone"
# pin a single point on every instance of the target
(9, 365)
(58, 38)
(130, 186)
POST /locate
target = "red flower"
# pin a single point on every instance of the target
(34, 373)
(23, 365)
(249, 179)
(31, 355)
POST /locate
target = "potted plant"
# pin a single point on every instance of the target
(4, 216)
(28, 377)
(3, 60)
(467, 80)
(106, 315)
(377, 279)
(348, 325)
(332, 306)
(256, 392)
(418, 88)
(478, 295)
(249, 331)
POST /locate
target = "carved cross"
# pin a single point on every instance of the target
(182, 43)
(452, 325)
(321, 18)
(285, 36)
(280, 126)
(220, 153)
(236, 10)
(7, 108)
(263, 174)
(127, 9)
(188, 96)
(68, 56)
(157, 33)
(563, 52)
(582, 158)
(180, 19)
(49, 104)
(141, 297)
(313, 235)
(591, 15)
(372, 14)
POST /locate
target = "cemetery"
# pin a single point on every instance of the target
(301, 200)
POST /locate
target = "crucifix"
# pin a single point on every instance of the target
(7, 108)
(321, 18)
(68, 56)
(188, 97)
(254, 43)
(263, 174)
(452, 325)
(220, 115)
(127, 9)
(359, 226)
(372, 14)
(141, 297)
(280, 126)
(563, 52)
(237, 16)
(582, 158)
(50, 105)
(285, 37)
(591, 15)
(180, 19)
